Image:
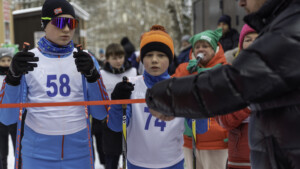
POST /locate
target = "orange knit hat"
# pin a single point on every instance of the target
(157, 39)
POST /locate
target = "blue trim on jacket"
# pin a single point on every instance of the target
(116, 117)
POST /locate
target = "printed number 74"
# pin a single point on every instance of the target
(157, 123)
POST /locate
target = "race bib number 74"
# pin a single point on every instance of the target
(157, 123)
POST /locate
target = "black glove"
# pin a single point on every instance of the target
(122, 90)
(20, 64)
(176, 97)
(85, 65)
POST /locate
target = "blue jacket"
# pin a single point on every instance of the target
(184, 55)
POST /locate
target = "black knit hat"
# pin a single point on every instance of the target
(226, 19)
(54, 8)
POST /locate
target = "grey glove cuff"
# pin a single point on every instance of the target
(93, 77)
(91, 72)
(12, 73)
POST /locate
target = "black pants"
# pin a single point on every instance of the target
(97, 132)
(112, 147)
(111, 161)
(5, 131)
(1, 162)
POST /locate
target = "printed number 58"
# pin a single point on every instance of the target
(64, 81)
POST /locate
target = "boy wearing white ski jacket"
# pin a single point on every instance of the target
(151, 143)
(115, 68)
(55, 137)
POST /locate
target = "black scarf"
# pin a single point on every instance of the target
(3, 70)
(125, 67)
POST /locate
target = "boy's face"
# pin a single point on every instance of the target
(5, 61)
(251, 6)
(205, 48)
(58, 36)
(116, 61)
(156, 63)
(248, 40)
(185, 44)
(224, 26)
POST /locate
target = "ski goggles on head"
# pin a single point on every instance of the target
(61, 22)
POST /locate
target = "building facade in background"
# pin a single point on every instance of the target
(6, 23)
(207, 12)
(110, 20)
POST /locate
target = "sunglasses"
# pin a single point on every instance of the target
(61, 22)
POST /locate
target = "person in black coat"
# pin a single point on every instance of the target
(265, 77)
(230, 38)
(128, 47)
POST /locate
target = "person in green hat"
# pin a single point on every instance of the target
(211, 147)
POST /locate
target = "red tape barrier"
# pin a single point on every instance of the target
(82, 103)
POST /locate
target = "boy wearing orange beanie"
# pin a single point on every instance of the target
(151, 143)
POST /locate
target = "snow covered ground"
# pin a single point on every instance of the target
(11, 158)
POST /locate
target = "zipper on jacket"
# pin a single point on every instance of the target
(62, 147)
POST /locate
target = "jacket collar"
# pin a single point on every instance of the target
(218, 58)
(266, 14)
(125, 67)
(3, 70)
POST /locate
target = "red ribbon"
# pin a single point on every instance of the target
(82, 103)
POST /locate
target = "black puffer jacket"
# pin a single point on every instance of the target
(265, 76)
(230, 40)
